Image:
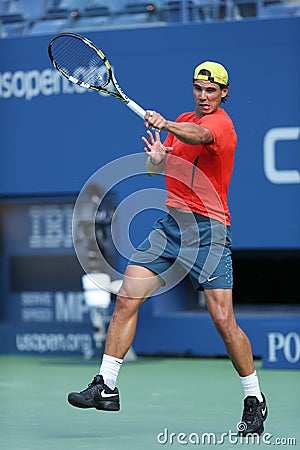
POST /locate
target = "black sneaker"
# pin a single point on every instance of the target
(96, 395)
(254, 415)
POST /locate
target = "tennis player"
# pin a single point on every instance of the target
(194, 238)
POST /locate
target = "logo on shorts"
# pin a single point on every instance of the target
(212, 278)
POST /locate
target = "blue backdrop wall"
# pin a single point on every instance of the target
(55, 136)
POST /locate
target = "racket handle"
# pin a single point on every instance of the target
(136, 108)
(139, 111)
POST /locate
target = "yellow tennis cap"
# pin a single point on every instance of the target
(218, 73)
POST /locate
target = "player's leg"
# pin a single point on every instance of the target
(219, 305)
(138, 284)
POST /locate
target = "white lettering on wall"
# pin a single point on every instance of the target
(50, 226)
(70, 306)
(57, 306)
(55, 342)
(288, 344)
(32, 83)
(273, 174)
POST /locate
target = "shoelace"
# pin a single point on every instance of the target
(249, 412)
(92, 383)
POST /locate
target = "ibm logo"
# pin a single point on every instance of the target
(50, 226)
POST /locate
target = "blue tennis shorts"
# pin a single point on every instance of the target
(185, 243)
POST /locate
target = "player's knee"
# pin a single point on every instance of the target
(126, 304)
(127, 293)
(224, 324)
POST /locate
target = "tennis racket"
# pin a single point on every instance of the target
(81, 62)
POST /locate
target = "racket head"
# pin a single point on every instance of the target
(81, 62)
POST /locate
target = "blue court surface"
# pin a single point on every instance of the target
(165, 403)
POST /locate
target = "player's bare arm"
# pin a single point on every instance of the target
(187, 132)
(190, 133)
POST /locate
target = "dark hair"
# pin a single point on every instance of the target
(222, 86)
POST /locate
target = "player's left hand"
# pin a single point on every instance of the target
(154, 148)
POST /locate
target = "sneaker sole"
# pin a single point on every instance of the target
(101, 406)
(251, 433)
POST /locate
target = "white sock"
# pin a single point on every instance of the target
(251, 386)
(109, 369)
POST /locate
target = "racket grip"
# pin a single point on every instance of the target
(136, 108)
(139, 111)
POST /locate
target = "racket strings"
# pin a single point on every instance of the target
(76, 59)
